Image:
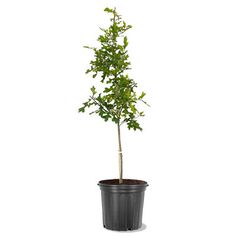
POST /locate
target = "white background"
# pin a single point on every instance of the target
(183, 55)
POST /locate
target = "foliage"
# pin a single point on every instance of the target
(118, 100)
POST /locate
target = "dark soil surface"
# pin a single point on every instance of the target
(125, 181)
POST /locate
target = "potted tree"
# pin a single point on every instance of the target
(122, 199)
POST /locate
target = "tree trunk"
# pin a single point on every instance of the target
(120, 156)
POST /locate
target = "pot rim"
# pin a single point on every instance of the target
(144, 184)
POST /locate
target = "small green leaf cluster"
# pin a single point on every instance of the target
(118, 100)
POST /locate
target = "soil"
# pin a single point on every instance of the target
(125, 181)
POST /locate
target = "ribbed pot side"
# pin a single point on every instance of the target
(122, 205)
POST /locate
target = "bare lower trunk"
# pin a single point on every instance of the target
(120, 156)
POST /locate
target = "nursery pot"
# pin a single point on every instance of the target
(122, 204)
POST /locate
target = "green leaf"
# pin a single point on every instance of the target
(108, 9)
(129, 27)
(93, 90)
(133, 109)
(141, 113)
(82, 109)
(102, 38)
(125, 42)
(107, 90)
(142, 95)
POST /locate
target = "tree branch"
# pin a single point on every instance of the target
(106, 109)
(99, 104)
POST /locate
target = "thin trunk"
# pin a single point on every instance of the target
(120, 156)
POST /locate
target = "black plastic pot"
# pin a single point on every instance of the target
(122, 205)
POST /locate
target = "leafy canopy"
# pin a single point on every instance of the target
(118, 99)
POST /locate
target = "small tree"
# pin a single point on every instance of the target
(117, 101)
